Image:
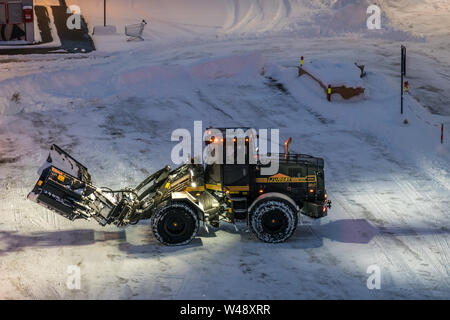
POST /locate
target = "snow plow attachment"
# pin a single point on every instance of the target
(64, 186)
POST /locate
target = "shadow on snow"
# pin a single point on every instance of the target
(357, 231)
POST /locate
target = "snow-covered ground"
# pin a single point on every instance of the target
(217, 61)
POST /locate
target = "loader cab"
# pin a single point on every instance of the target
(231, 152)
(235, 170)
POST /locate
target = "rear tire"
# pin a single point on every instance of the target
(175, 224)
(273, 220)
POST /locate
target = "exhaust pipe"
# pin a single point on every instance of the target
(286, 147)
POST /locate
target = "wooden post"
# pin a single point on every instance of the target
(442, 133)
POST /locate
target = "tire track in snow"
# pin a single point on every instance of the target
(245, 20)
(283, 7)
(287, 7)
(410, 191)
(297, 105)
(377, 204)
(264, 14)
(205, 100)
(386, 247)
(382, 248)
(371, 202)
(234, 13)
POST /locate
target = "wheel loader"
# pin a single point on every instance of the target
(179, 201)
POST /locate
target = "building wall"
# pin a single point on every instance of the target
(7, 29)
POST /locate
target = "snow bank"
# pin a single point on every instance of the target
(334, 73)
(174, 17)
(45, 91)
(375, 115)
(201, 18)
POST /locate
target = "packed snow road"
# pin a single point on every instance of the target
(389, 182)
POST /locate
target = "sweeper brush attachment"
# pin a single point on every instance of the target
(65, 187)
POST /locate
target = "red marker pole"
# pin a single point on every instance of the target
(442, 133)
(329, 92)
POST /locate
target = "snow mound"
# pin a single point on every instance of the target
(50, 90)
(335, 73)
(308, 18)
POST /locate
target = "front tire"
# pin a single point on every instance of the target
(273, 220)
(175, 224)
